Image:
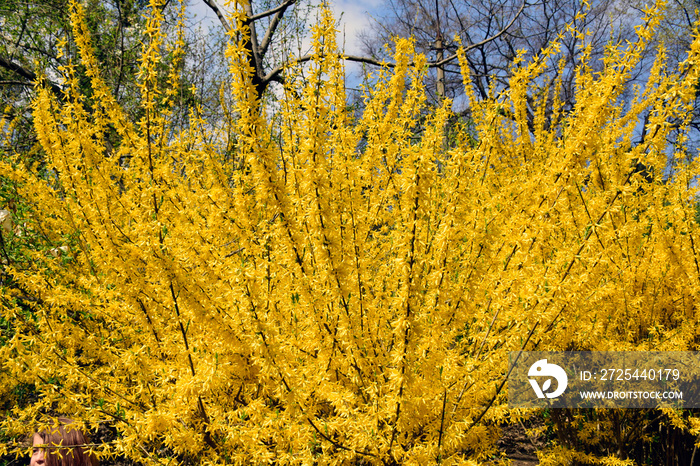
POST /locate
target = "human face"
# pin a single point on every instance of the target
(37, 453)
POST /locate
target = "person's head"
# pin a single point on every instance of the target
(61, 445)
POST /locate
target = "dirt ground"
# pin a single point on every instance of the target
(519, 446)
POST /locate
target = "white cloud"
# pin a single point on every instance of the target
(355, 16)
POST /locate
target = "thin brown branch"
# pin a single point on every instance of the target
(442, 426)
(336, 444)
(483, 42)
(505, 379)
(16, 83)
(200, 404)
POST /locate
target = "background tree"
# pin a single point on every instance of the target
(31, 51)
(275, 31)
(534, 26)
(514, 26)
(37, 46)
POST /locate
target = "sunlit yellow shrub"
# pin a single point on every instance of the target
(343, 290)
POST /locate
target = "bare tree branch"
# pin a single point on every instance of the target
(272, 11)
(16, 83)
(29, 75)
(253, 45)
(222, 19)
(485, 41)
(258, 50)
(274, 74)
(212, 5)
(279, 13)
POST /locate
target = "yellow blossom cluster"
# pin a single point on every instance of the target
(345, 289)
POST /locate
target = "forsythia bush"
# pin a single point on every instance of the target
(322, 287)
